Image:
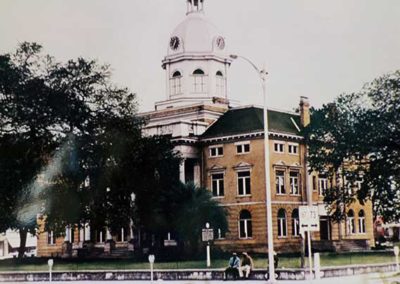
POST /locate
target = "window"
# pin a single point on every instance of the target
(282, 223)
(322, 185)
(280, 182)
(243, 183)
(217, 184)
(361, 222)
(220, 234)
(199, 81)
(294, 183)
(50, 238)
(242, 148)
(245, 228)
(314, 183)
(216, 151)
(351, 229)
(293, 149)
(279, 147)
(176, 84)
(295, 222)
(220, 84)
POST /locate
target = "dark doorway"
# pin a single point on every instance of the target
(325, 228)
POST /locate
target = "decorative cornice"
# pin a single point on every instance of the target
(251, 135)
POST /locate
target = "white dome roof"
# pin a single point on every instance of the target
(196, 35)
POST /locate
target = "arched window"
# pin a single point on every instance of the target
(361, 222)
(295, 222)
(176, 84)
(351, 228)
(282, 232)
(220, 84)
(245, 228)
(199, 81)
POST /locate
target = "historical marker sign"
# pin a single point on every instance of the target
(309, 218)
(207, 235)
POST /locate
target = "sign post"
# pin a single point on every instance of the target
(151, 260)
(50, 263)
(207, 236)
(396, 254)
(309, 221)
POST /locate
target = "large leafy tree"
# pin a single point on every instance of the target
(71, 149)
(357, 138)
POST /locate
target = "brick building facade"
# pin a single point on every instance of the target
(223, 149)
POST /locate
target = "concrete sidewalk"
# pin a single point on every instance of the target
(374, 278)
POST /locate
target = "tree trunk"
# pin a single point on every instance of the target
(23, 233)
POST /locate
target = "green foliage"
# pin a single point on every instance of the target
(357, 138)
(72, 150)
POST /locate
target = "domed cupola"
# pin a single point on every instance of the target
(196, 63)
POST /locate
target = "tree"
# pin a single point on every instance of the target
(54, 123)
(72, 151)
(356, 138)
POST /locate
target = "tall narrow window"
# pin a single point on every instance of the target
(245, 228)
(361, 222)
(295, 222)
(351, 228)
(220, 84)
(294, 183)
(243, 183)
(176, 84)
(50, 238)
(282, 232)
(217, 184)
(280, 182)
(199, 81)
(322, 185)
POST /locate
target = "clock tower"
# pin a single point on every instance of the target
(196, 64)
(196, 68)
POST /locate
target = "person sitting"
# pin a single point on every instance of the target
(246, 266)
(233, 268)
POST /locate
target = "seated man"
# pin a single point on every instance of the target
(247, 265)
(233, 268)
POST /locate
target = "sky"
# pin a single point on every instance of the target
(314, 48)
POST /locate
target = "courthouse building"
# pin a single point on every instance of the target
(223, 150)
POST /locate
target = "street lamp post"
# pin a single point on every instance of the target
(263, 76)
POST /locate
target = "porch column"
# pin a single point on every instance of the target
(108, 234)
(87, 232)
(196, 174)
(182, 171)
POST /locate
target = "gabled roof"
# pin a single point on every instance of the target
(250, 119)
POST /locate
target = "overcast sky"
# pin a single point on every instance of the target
(312, 48)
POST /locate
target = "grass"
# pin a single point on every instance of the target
(327, 259)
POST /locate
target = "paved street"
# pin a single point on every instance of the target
(360, 279)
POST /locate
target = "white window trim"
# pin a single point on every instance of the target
(298, 183)
(242, 143)
(320, 188)
(237, 181)
(297, 147)
(283, 147)
(284, 183)
(50, 235)
(246, 222)
(215, 147)
(296, 231)
(223, 179)
(282, 226)
(362, 225)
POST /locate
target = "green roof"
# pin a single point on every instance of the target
(250, 119)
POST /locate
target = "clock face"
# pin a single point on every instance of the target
(220, 42)
(174, 43)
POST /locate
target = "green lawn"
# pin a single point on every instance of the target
(327, 259)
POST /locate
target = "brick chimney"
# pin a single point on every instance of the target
(304, 111)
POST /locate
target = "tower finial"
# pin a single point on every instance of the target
(194, 6)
